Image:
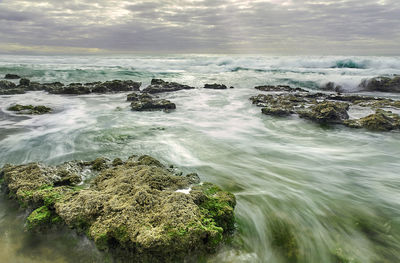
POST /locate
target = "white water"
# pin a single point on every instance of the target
(321, 180)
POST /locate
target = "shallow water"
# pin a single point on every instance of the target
(336, 189)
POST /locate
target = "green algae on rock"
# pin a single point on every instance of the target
(328, 108)
(381, 120)
(137, 207)
(30, 109)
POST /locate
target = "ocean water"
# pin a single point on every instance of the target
(335, 189)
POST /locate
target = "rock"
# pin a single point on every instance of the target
(280, 88)
(329, 108)
(24, 82)
(331, 86)
(215, 86)
(72, 89)
(116, 86)
(381, 120)
(30, 109)
(5, 84)
(12, 76)
(276, 111)
(326, 112)
(133, 210)
(383, 84)
(146, 102)
(150, 105)
(159, 86)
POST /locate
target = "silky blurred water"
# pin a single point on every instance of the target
(336, 188)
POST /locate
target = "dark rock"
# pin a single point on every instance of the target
(383, 84)
(151, 104)
(12, 76)
(24, 82)
(72, 89)
(276, 111)
(280, 88)
(29, 109)
(138, 97)
(5, 84)
(331, 86)
(116, 86)
(215, 86)
(159, 86)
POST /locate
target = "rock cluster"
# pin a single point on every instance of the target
(159, 86)
(8, 88)
(328, 108)
(30, 109)
(136, 207)
(147, 102)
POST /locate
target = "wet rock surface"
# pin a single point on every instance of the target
(147, 102)
(136, 209)
(30, 109)
(159, 86)
(9, 88)
(383, 84)
(12, 76)
(328, 108)
(215, 86)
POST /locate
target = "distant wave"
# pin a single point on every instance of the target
(348, 63)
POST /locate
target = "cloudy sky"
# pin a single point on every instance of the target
(347, 27)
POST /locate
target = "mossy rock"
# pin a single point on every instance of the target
(132, 207)
(379, 121)
(29, 109)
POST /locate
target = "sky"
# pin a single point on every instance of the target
(275, 27)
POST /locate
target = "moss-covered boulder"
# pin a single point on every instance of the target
(381, 120)
(326, 112)
(30, 109)
(136, 208)
(384, 84)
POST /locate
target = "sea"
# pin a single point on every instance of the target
(336, 189)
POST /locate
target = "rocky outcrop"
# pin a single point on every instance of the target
(215, 86)
(282, 88)
(8, 88)
(146, 102)
(137, 208)
(326, 112)
(381, 120)
(159, 86)
(329, 108)
(11, 76)
(383, 84)
(30, 109)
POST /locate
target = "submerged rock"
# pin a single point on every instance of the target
(384, 84)
(30, 109)
(11, 76)
(159, 86)
(215, 86)
(133, 208)
(146, 102)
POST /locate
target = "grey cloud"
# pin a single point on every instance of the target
(304, 27)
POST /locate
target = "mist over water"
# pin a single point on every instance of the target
(335, 188)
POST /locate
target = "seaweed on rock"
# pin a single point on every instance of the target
(132, 207)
